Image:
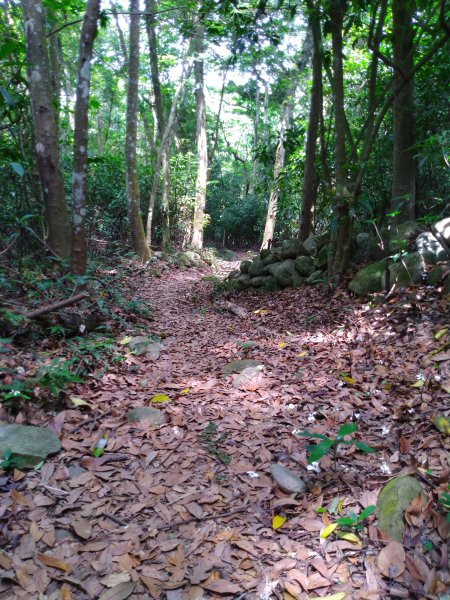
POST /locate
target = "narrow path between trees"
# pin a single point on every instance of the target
(184, 510)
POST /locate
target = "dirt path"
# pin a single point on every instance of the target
(184, 510)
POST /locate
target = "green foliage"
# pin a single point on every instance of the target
(444, 501)
(327, 444)
(212, 441)
(356, 522)
(222, 287)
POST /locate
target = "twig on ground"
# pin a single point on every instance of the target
(117, 520)
(52, 307)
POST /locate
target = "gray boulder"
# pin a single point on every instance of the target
(147, 413)
(234, 274)
(316, 277)
(322, 257)
(406, 271)
(311, 245)
(245, 265)
(430, 247)
(28, 445)
(271, 284)
(270, 259)
(258, 281)
(256, 268)
(368, 280)
(287, 480)
(442, 227)
(304, 265)
(244, 280)
(292, 249)
(285, 273)
(436, 275)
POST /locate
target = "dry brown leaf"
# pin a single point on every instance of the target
(118, 592)
(53, 561)
(222, 586)
(82, 528)
(391, 560)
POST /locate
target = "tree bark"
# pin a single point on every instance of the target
(404, 167)
(310, 179)
(79, 173)
(202, 150)
(341, 230)
(140, 245)
(255, 136)
(45, 128)
(280, 154)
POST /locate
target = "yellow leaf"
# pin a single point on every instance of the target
(159, 399)
(281, 345)
(125, 340)
(53, 561)
(418, 384)
(349, 380)
(302, 354)
(339, 506)
(349, 537)
(261, 311)
(185, 391)
(338, 596)
(440, 334)
(278, 522)
(446, 386)
(327, 530)
(442, 423)
(77, 401)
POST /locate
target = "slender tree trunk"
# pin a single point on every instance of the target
(164, 144)
(341, 231)
(55, 72)
(310, 181)
(140, 245)
(159, 109)
(255, 137)
(45, 128)
(404, 166)
(79, 174)
(202, 150)
(280, 154)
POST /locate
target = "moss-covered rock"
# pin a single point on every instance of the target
(264, 253)
(245, 266)
(311, 245)
(244, 280)
(258, 281)
(446, 290)
(270, 259)
(234, 275)
(322, 257)
(436, 275)
(304, 265)
(315, 278)
(406, 271)
(256, 268)
(430, 248)
(392, 502)
(292, 249)
(285, 273)
(271, 284)
(368, 280)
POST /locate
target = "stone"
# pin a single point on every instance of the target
(443, 228)
(258, 281)
(428, 246)
(256, 268)
(250, 379)
(322, 257)
(271, 284)
(28, 445)
(287, 481)
(285, 273)
(406, 271)
(368, 280)
(264, 253)
(147, 413)
(310, 245)
(237, 366)
(392, 502)
(436, 275)
(234, 275)
(304, 265)
(194, 257)
(292, 249)
(270, 259)
(244, 280)
(315, 278)
(446, 289)
(245, 265)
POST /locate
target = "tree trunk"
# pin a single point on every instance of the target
(79, 173)
(341, 231)
(310, 180)
(255, 137)
(280, 153)
(404, 166)
(140, 245)
(45, 129)
(202, 150)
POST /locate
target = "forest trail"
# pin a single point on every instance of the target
(184, 510)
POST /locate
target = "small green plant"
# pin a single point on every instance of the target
(331, 444)
(355, 522)
(221, 287)
(57, 377)
(444, 501)
(212, 441)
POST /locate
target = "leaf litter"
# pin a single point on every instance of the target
(188, 509)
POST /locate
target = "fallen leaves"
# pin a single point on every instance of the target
(391, 560)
